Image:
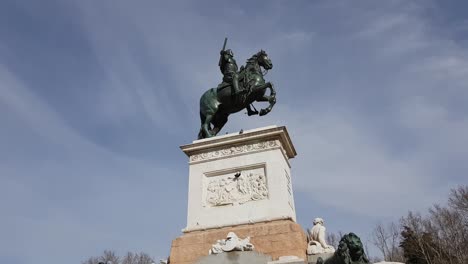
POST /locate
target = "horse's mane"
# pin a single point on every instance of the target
(252, 59)
(252, 62)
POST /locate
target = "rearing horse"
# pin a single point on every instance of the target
(217, 104)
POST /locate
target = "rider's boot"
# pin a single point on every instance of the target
(235, 86)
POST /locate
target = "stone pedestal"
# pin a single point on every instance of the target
(236, 257)
(240, 178)
(312, 259)
(241, 183)
(288, 260)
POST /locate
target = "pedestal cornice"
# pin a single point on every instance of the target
(236, 143)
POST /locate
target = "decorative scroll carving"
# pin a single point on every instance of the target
(234, 150)
(237, 188)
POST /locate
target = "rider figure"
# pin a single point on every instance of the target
(228, 67)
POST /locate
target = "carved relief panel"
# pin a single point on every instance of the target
(235, 187)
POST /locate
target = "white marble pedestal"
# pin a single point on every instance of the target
(237, 179)
(241, 183)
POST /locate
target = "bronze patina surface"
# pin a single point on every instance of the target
(238, 90)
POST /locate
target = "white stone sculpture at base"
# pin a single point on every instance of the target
(231, 243)
(317, 243)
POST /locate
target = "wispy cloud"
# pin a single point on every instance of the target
(63, 188)
(96, 97)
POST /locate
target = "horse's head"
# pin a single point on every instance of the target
(263, 60)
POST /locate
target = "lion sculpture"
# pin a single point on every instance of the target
(350, 251)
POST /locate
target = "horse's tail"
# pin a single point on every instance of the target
(208, 107)
(202, 120)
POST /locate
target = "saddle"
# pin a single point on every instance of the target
(242, 77)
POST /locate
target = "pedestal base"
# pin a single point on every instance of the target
(235, 257)
(276, 238)
(312, 259)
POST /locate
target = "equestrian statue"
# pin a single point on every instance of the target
(238, 90)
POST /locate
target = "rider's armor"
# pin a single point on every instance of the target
(228, 67)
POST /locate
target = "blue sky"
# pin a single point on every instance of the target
(97, 96)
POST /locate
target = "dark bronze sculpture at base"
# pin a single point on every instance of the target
(350, 251)
(237, 91)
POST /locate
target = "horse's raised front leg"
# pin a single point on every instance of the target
(270, 98)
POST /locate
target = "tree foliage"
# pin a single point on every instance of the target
(333, 239)
(440, 237)
(109, 257)
(387, 240)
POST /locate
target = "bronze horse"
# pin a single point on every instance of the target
(217, 104)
